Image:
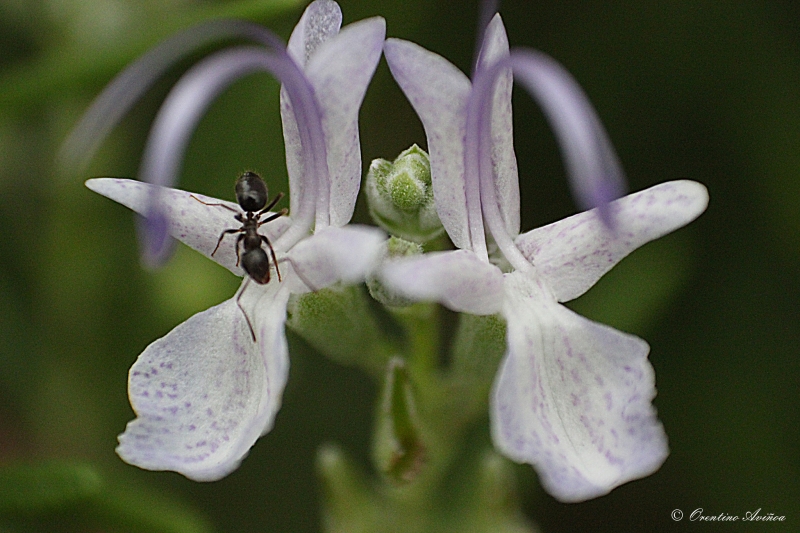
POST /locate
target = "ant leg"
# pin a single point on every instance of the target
(239, 242)
(229, 208)
(274, 259)
(272, 203)
(247, 318)
(299, 273)
(273, 216)
(221, 236)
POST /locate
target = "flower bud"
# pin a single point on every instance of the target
(400, 196)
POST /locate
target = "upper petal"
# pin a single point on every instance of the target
(205, 392)
(573, 253)
(340, 71)
(438, 91)
(572, 398)
(320, 21)
(495, 47)
(459, 280)
(347, 254)
(195, 224)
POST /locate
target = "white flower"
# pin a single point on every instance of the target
(205, 392)
(571, 397)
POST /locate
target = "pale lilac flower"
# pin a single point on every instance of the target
(571, 397)
(205, 392)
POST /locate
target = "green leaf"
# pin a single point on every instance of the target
(54, 495)
(140, 509)
(42, 487)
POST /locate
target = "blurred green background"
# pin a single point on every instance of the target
(703, 90)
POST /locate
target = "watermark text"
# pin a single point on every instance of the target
(700, 515)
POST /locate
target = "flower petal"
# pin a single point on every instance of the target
(205, 392)
(197, 225)
(495, 46)
(572, 398)
(320, 21)
(573, 253)
(340, 71)
(458, 279)
(347, 254)
(438, 91)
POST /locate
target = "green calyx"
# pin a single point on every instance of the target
(395, 249)
(400, 196)
(338, 322)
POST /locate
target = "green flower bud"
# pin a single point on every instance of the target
(400, 196)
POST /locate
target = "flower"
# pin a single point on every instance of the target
(205, 392)
(571, 397)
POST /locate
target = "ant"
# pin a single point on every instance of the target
(252, 196)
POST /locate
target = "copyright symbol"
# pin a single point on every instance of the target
(677, 515)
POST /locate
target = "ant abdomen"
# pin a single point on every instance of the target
(256, 263)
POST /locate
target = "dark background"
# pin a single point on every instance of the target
(703, 90)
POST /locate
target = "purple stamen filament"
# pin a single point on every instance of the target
(594, 171)
(186, 103)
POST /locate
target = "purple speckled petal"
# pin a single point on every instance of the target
(205, 392)
(196, 225)
(573, 253)
(459, 280)
(438, 91)
(572, 397)
(504, 161)
(347, 254)
(340, 71)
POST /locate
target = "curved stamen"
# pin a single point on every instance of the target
(187, 102)
(594, 172)
(131, 84)
(593, 169)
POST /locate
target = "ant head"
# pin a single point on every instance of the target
(251, 192)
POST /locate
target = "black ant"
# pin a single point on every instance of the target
(252, 196)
